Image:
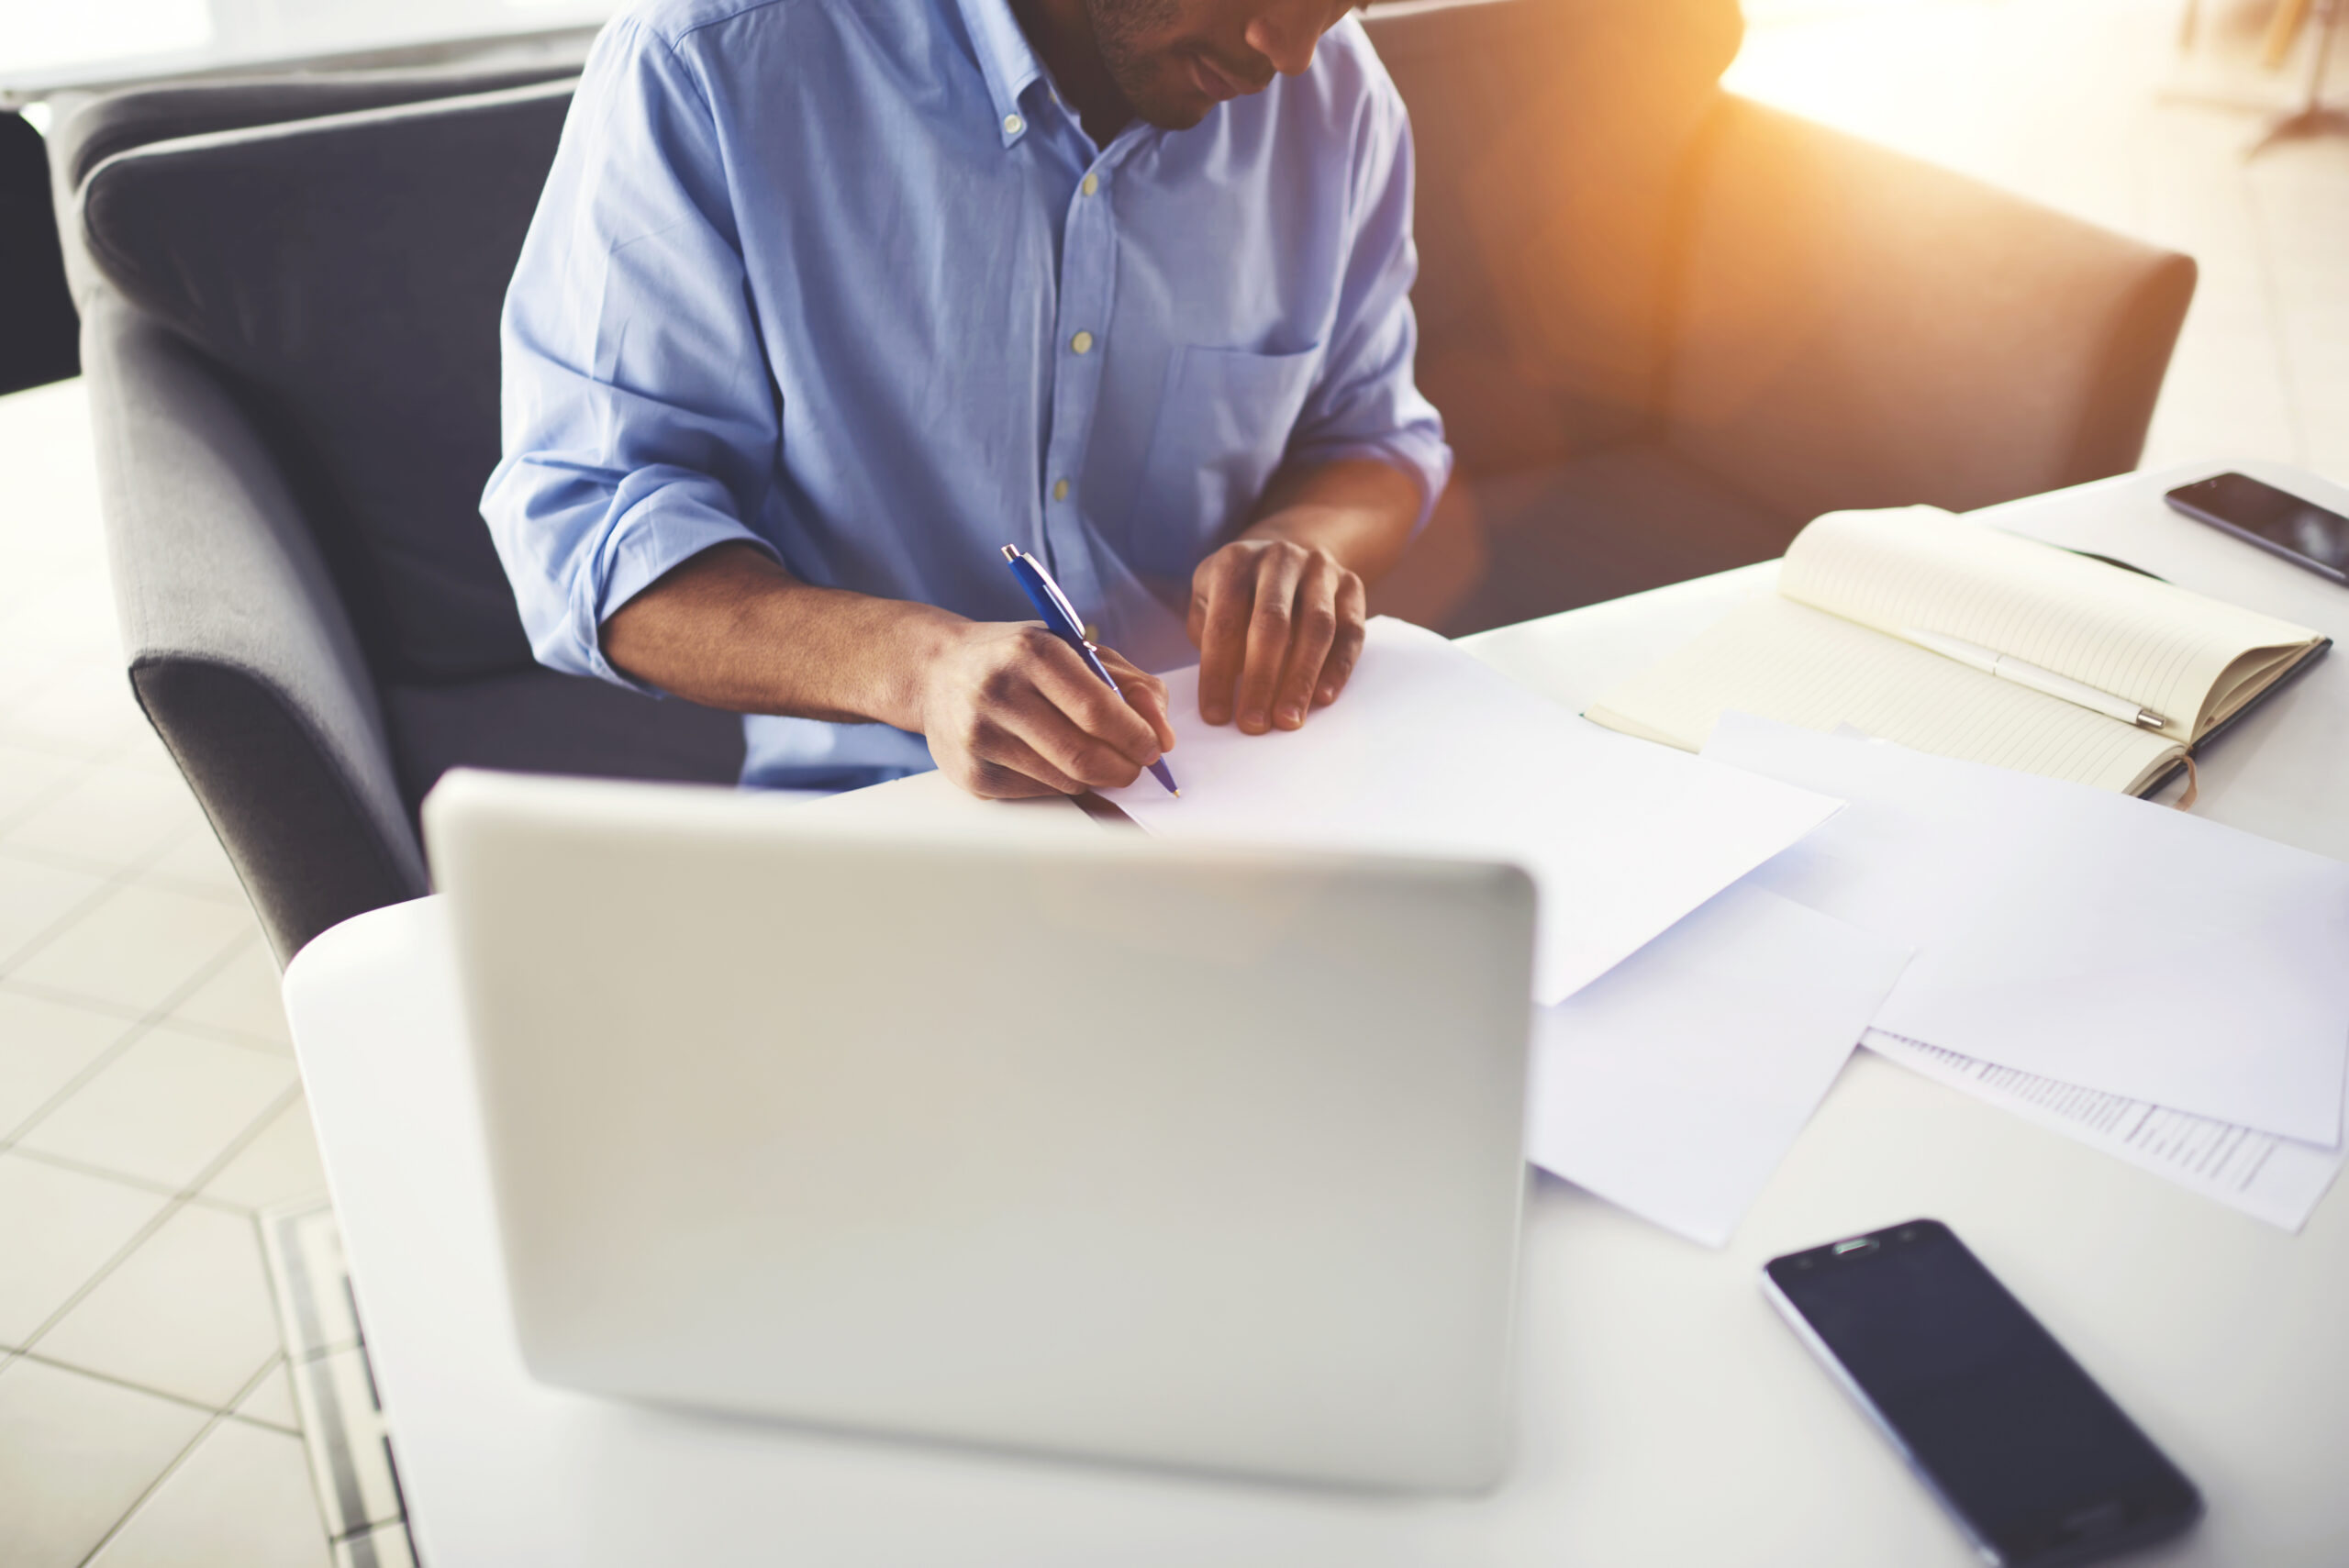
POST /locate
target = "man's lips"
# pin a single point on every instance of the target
(1216, 85)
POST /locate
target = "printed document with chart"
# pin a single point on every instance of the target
(2278, 1180)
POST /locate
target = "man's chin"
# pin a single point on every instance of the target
(1177, 115)
(1165, 97)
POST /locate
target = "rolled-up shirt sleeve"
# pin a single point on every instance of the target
(639, 416)
(1366, 403)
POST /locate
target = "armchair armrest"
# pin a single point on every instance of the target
(1857, 329)
(241, 652)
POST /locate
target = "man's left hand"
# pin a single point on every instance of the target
(1279, 625)
(1279, 613)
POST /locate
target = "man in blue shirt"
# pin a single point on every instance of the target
(828, 300)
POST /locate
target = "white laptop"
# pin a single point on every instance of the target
(1197, 1158)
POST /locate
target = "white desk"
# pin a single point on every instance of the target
(1667, 1417)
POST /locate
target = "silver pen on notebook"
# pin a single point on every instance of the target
(2047, 682)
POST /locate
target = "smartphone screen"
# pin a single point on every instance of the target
(2271, 517)
(2039, 1466)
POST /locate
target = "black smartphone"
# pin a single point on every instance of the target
(2300, 531)
(2037, 1464)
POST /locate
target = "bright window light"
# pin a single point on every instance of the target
(39, 35)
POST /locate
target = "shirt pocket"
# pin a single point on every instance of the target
(1223, 423)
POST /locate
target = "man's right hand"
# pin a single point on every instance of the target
(1010, 711)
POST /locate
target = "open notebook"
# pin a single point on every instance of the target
(1828, 650)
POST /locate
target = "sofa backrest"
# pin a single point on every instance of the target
(1550, 136)
(347, 272)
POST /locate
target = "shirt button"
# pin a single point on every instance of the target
(1059, 489)
(1013, 125)
(1082, 342)
(1092, 183)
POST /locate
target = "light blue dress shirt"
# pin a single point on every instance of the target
(845, 278)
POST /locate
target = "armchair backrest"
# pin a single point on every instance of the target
(346, 272)
(94, 130)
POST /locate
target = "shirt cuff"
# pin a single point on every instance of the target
(652, 539)
(1425, 456)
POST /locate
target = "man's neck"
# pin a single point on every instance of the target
(1061, 32)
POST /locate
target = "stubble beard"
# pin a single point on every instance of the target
(1121, 32)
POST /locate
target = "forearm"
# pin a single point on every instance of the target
(1007, 708)
(730, 629)
(1359, 509)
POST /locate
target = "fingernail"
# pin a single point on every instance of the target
(1327, 696)
(1292, 716)
(1216, 714)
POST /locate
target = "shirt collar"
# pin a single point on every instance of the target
(1009, 66)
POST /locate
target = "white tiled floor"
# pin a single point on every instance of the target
(148, 1098)
(245, 1483)
(149, 1102)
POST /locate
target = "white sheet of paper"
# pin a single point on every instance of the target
(2268, 1177)
(1674, 1084)
(2076, 934)
(1428, 752)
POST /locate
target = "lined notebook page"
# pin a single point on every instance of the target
(1780, 660)
(2156, 645)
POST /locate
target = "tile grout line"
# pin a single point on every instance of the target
(100, 756)
(42, 802)
(271, 1364)
(221, 1034)
(123, 1011)
(178, 1460)
(163, 1393)
(243, 1141)
(141, 865)
(244, 1391)
(88, 904)
(115, 882)
(83, 1168)
(178, 1201)
(134, 1031)
(66, 860)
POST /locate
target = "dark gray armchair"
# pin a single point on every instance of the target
(290, 331)
(1666, 326)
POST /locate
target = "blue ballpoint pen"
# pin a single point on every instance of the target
(1060, 618)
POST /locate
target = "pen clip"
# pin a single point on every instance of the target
(1076, 621)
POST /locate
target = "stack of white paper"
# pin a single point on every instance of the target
(2079, 936)
(1674, 1084)
(1429, 752)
